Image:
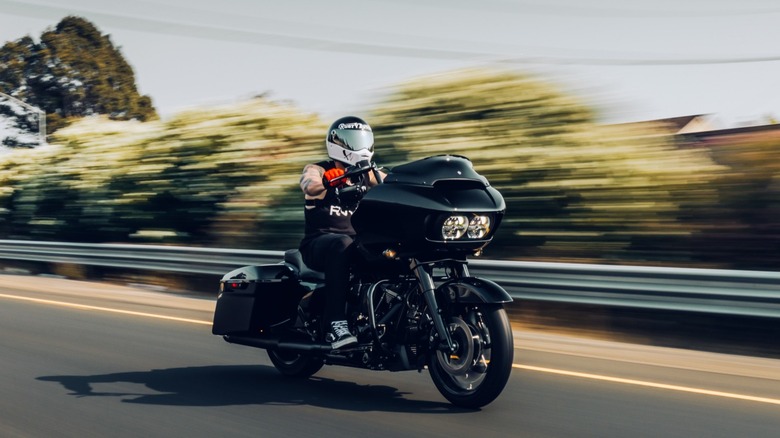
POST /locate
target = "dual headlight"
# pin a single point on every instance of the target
(458, 226)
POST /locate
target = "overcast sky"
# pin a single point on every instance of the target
(635, 60)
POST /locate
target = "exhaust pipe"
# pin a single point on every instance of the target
(277, 344)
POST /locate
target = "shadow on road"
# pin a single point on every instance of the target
(245, 385)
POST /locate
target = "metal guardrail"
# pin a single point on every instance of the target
(729, 292)
(194, 260)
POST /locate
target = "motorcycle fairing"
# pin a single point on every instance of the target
(406, 212)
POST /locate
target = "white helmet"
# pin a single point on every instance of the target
(350, 140)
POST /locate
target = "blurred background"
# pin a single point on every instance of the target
(618, 133)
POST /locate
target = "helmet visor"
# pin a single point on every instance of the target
(353, 139)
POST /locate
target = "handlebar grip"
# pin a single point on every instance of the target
(360, 189)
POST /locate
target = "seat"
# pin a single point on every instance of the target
(293, 258)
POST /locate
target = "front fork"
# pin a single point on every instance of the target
(423, 274)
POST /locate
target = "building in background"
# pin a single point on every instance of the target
(21, 125)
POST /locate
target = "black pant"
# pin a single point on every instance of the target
(330, 254)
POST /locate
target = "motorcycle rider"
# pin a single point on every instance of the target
(328, 229)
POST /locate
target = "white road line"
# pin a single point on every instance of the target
(524, 367)
(105, 309)
(709, 392)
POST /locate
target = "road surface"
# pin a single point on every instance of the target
(83, 359)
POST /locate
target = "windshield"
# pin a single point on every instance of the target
(437, 168)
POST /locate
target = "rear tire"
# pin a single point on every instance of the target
(476, 374)
(295, 365)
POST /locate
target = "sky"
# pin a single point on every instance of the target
(632, 60)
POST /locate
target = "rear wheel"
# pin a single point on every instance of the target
(293, 364)
(476, 373)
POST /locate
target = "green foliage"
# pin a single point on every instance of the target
(743, 227)
(73, 72)
(574, 190)
(215, 176)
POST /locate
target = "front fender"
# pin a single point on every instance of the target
(474, 290)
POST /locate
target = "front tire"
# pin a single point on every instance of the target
(295, 365)
(476, 374)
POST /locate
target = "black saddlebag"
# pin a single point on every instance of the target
(254, 298)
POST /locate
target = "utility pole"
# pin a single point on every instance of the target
(40, 112)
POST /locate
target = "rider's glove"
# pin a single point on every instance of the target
(327, 178)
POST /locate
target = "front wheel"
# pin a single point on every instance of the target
(476, 373)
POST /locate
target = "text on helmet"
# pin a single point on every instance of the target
(355, 125)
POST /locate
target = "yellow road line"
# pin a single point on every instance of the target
(105, 309)
(524, 367)
(651, 384)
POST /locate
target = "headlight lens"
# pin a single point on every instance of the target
(471, 226)
(454, 227)
(479, 227)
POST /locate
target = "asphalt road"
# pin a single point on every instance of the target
(92, 360)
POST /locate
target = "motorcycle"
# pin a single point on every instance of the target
(412, 303)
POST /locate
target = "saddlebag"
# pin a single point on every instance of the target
(254, 298)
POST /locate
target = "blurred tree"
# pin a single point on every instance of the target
(225, 176)
(74, 71)
(744, 225)
(574, 190)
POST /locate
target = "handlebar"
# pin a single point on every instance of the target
(356, 190)
(359, 169)
(351, 194)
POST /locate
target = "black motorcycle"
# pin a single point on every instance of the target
(412, 302)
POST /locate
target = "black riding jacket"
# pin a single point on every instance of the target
(324, 216)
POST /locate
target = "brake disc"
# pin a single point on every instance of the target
(460, 361)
